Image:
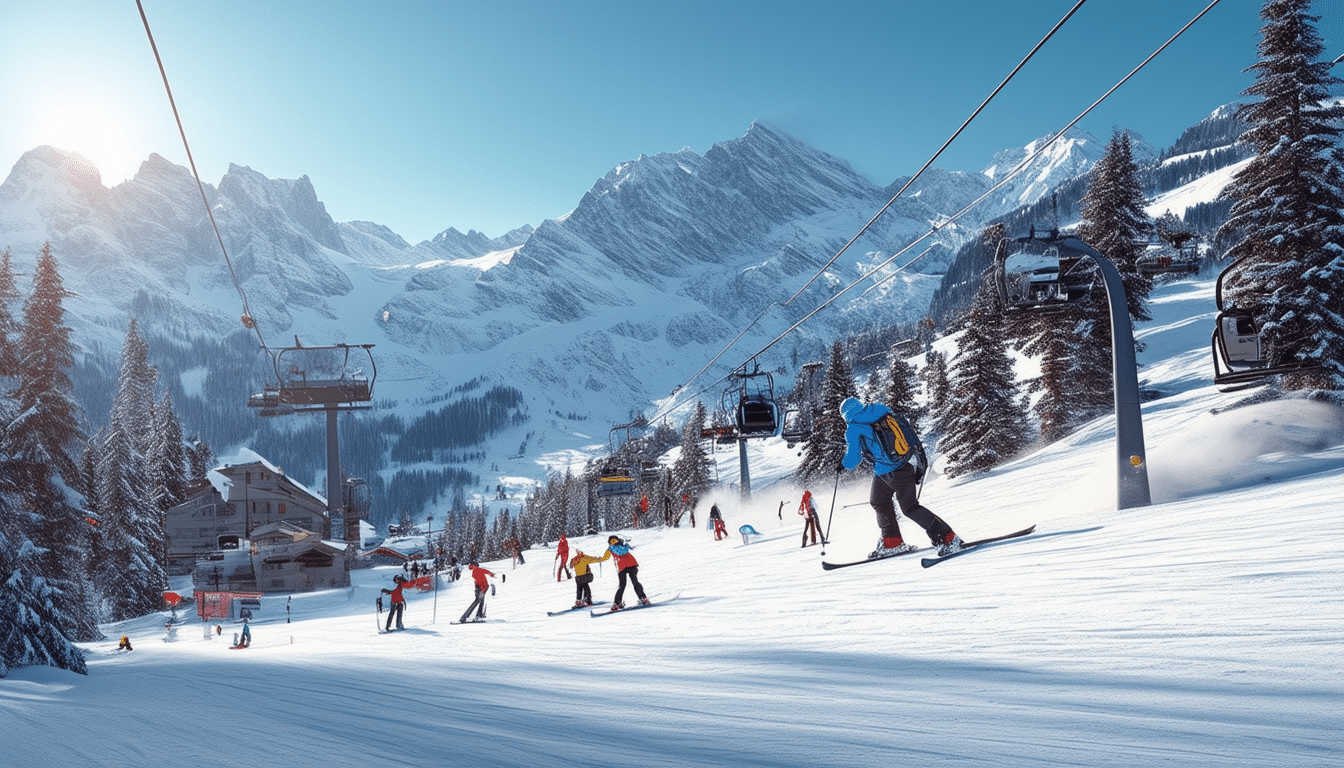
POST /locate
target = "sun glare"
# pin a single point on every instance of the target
(92, 129)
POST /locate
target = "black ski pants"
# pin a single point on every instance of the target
(477, 605)
(900, 485)
(395, 613)
(583, 593)
(631, 573)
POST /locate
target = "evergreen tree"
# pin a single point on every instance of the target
(985, 424)
(132, 573)
(1288, 205)
(42, 437)
(1115, 221)
(936, 385)
(902, 386)
(692, 472)
(9, 296)
(167, 461)
(31, 628)
(46, 355)
(824, 449)
(200, 460)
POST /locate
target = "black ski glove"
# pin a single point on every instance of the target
(839, 468)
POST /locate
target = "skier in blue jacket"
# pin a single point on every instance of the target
(891, 478)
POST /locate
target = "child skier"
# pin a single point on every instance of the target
(808, 508)
(583, 578)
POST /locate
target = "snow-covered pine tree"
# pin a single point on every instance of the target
(30, 633)
(167, 459)
(1288, 205)
(1115, 222)
(200, 460)
(692, 472)
(132, 572)
(43, 436)
(985, 423)
(824, 449)
(9, 297)
(934, 376)
(902, 387)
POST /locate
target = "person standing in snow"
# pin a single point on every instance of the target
(627, 568)
(562, 554)
(481, 576)
(583, 578)
(891, 478)
(808, 508)
(398, 601)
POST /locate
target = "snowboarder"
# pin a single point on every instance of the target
(583, 578)
(398, 601)
(125, 644)
(812, 525)
(480, 576)
(891, 478)
(627, 568)
(562, 554)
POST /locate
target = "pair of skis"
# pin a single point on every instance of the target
(575, 608)
(929, 562)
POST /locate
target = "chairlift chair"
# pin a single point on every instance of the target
(796, 428)
(308, 377)
(1182, 257)
(1042, 272)
(757, 414)
(615, 480)
(1240, 359)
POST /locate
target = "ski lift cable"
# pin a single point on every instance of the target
(248, 320)
(892, 201)
(945, 145)
(1021, 166)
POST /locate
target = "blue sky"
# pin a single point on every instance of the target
(490, 115)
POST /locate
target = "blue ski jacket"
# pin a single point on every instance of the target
(859, 437)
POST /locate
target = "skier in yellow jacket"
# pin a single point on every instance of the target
(583, 578)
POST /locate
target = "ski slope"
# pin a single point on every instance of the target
(1203, 630)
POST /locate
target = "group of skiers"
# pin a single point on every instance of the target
(627, 571)
(895, 482)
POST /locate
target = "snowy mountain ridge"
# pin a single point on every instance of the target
(600, 312)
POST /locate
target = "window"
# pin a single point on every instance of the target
(282, 508)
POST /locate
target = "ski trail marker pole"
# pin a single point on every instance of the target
(831, 515)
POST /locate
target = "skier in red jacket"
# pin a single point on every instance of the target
(480, 576)
(398, 601)
(562, 554)
(627, 568)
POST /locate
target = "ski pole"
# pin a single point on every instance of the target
(830, 515)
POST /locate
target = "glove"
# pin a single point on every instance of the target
(839, 468)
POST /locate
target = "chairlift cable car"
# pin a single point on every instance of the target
(1240, 359)
(753, 403)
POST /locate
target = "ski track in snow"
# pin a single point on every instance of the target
(1200, 631)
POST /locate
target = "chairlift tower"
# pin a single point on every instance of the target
(1042, 287)
(324, 379)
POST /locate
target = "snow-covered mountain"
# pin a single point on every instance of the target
(598, 313)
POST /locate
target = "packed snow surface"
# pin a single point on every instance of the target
(1203, 630)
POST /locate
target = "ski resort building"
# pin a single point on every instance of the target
(252, 528)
